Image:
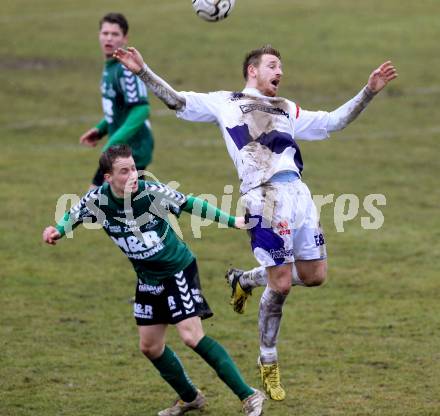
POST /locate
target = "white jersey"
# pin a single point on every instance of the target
(259, 131)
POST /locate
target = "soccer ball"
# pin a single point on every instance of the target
(213, 10)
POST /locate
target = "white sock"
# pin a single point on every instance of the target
(254, 278)
(258, 277)
(269, 320)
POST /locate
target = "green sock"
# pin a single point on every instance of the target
(172, 371)
(219, 359)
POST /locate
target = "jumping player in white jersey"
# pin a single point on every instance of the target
(260, 131)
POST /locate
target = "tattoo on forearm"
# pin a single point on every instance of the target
(359, 105)
(345, 114)
(162, 90)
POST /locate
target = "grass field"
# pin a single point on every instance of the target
(366, 343)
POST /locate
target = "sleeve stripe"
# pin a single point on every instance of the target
(131, 87)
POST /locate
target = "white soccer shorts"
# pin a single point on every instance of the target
(283, 223)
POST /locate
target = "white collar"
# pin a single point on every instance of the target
(253, 91)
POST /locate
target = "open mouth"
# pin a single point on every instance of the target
(131, 186)
(275, 82)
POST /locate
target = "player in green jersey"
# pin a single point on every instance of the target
(134, 215)
(124, 101)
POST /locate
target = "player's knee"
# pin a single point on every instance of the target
(315, 277)
(283, 288)
(191, 338)
(191, 335)
(190, 331)
(151, 351)
(281, 282)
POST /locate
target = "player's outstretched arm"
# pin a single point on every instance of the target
(378, 80)
(132, 59)
(51, 235)
(204, 209)
(381, 76)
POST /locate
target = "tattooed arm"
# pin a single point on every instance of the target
(161, 89)
(378, 80)
(346, 113)
(133, 60)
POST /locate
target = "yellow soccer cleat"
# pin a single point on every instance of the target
(239, 295)
(270, 377)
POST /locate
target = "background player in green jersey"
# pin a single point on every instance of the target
(124, 101)
(134, 215)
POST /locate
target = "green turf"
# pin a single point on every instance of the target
(367, 343)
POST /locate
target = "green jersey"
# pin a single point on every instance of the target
(121, 91)
(138, 226)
